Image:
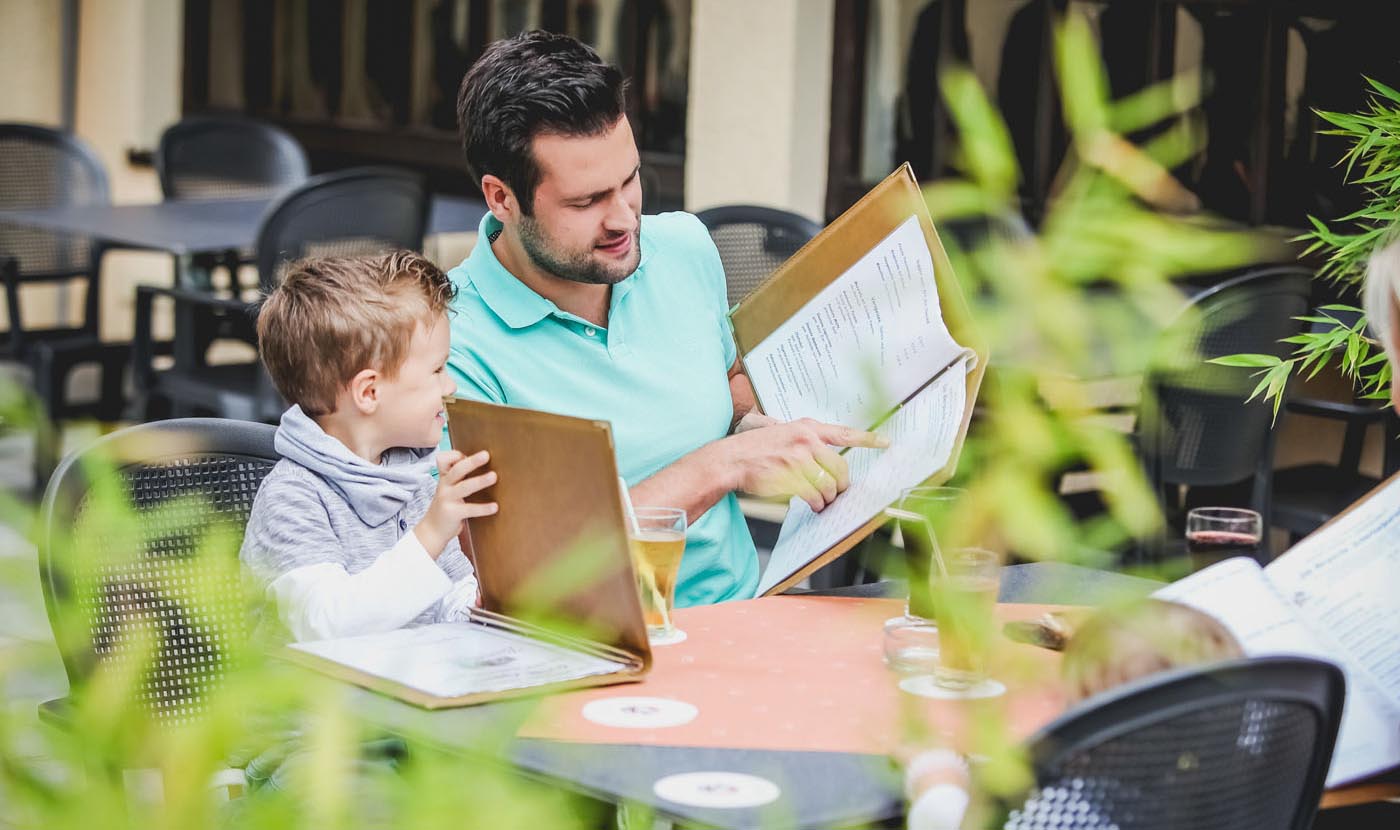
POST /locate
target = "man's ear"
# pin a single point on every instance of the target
(500, 199)
(363, 391)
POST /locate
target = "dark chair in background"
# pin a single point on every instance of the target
(198, 476)
(753, 241)
(1306, 496)
(1243, 745)
(40, 168)
(218, 157)
(358, 211)
(222, 157)
(1194, 427)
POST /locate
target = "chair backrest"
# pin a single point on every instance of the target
(1194, 425)
(753, 241)
(222, 157)
(185, 479)
(1242, 745)
(364, 210)
(41, 167)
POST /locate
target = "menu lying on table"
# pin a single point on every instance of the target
(865, 326)
(556, 554)
(1333, 596)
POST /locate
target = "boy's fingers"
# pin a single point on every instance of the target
(466, 465)
(475, 484)
(476, 511)
(446, 459)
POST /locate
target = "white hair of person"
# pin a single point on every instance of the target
(1381, 297)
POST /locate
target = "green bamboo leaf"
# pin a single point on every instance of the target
(1083, 83)
(1383, 89)
(986, 146)
(1246, 361)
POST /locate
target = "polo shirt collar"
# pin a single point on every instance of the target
(513, 301)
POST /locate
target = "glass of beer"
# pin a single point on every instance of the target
(964, 596)
(657, 537)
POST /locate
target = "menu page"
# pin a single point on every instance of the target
(865, 343)
(449, 660)
(1247, 601)
(922, 436)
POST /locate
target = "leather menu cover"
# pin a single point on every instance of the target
(821, 262)
(556, 554)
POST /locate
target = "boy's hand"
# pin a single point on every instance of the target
(450, 507)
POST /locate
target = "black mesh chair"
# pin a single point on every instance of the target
(226, 157)
(39, 168)
(753, 241)
(1194, 427)
(1243, 745)
(196, 475)
(220, 157)
(352, 212)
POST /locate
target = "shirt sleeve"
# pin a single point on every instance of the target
(321, 601)
(464, 595)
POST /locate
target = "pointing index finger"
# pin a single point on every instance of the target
(839, 436)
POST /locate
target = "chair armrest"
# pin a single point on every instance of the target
(1337, 410)
(193, 297)
(185, 347)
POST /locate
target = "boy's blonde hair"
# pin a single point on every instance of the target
(1119, 645)
(333, 317)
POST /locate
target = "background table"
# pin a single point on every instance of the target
(185, 228)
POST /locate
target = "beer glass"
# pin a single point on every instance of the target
(657, 539)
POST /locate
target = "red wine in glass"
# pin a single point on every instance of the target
(1216, 533)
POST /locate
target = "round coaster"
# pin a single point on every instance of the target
(925, 686)
(725, 790)
(676, 636)
(639, 712)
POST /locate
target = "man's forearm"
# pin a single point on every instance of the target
(694, 482)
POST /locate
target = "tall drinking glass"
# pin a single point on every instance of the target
(657, 538)
(921, 513)
(965, 598)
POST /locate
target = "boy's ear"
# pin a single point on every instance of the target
(500, 200)
(364, 391)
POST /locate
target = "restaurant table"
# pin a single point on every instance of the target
(819, 788)
(186, 228)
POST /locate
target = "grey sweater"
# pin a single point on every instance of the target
(330, 537)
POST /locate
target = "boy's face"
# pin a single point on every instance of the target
(410, 410)
(587, 208)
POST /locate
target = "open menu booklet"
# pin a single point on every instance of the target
(1334, 596)
(865, 327)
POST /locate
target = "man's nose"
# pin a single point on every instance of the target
(621, 216)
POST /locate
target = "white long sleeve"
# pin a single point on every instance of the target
(322, 601)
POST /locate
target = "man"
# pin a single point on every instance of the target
(573, 302)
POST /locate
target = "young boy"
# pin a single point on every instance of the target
(349, 532)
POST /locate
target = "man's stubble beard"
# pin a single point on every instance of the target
(576, 267)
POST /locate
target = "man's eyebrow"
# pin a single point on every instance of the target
(598, 194)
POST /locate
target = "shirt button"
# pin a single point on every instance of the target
(590, 331)
(403, 524)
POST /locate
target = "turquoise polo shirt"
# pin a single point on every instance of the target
(659, 372)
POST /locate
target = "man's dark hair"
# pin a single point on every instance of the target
(521, 87)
